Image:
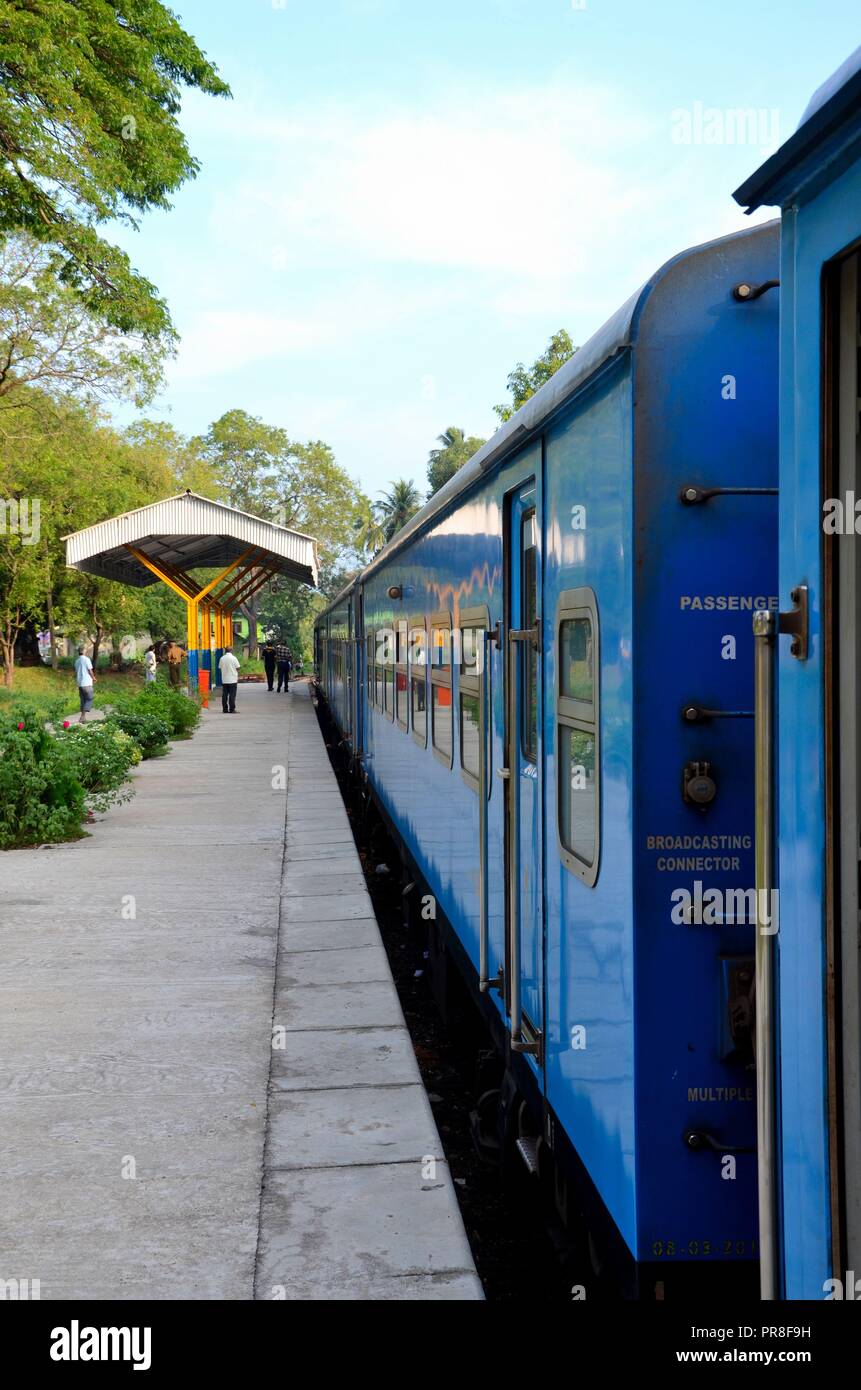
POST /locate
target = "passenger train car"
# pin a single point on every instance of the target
(546, 681)
(809, 741)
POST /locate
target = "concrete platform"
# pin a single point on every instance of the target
(207, 1089)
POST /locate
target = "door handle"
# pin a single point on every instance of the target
(484, 982)
(518, 1042)
(765, 627)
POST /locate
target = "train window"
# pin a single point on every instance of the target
(442, 731)
(441, 719)
(401, 681)
(390, 692)
(379, 669)
(528, 616)
(578, 725)
(576, 671)
(470, 736)
(369, 666)
(473, 623)
(418, 683)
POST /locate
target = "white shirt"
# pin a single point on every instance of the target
(84, 671)
(229, 668)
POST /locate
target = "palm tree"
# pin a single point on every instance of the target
(444, 462)
(398, 505)
(370, 532)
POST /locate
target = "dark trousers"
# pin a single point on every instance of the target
(269, 668)
(228, 698)
(284, 675)
(174, 674)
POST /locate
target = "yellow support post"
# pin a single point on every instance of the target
(244, 575)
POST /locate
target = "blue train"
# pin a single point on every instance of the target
(549, 686)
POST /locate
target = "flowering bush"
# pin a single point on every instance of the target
(149, 731)
(101, 756)
(41, 799)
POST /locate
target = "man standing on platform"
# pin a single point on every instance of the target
(269, 662)
(229, 668)
(174, 664)
(282, 656)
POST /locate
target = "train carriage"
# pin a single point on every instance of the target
(554, 715)
(810, 1157)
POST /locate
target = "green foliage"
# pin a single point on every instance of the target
(370, 532)
(523, 382)
(148, 729)
(400, 503)
(50, 340)
(41, 799)
(455, 450)
(89, 98)
(157, 713)
(101, 757)
(180, 713)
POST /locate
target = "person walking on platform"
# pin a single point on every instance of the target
(228, 667)
(282, 656)
(269, 663)
(174, 664)
(85, 679)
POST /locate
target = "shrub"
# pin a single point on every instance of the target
(101, 756)
(41, 799)
(180, 713)
(149, 731)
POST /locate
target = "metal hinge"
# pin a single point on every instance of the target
(795, 623)
(527, 634)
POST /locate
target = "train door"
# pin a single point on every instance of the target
(843, 753)
(523, 773)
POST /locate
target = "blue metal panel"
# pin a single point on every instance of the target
(590, 959)
(811, 237)
(706, 416)
(816, 175)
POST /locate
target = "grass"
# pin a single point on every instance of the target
(38, 685)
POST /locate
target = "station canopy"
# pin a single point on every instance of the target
(189, 532)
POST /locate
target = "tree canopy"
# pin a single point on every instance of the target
(454, 451)
(524, 381)
(89, 99)
(401, 502)
(49, 339)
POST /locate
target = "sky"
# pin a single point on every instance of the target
(405, 198)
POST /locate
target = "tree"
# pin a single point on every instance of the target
(163, 443)
(260, 469)
(398, 505)
(59, 455)
(89, 98)
(444, 462)
(50, 340)
(523, 382)
(370, 532)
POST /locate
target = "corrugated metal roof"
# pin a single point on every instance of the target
(190, 532)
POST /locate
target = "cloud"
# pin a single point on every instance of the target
(491, 179)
